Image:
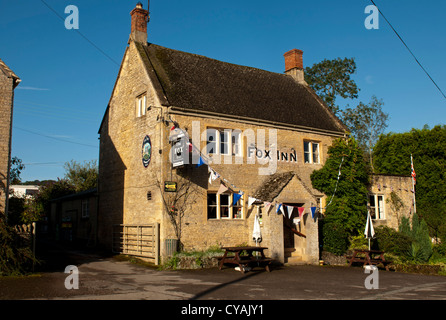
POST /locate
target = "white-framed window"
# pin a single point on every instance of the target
(311, 152)
(141, 105)
(85, 208)
(376, 204)
(220, 206)
(223, 142)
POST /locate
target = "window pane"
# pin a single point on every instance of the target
(380, 207)
(212, 206)
(307, 158)
(211, 136)
(224, 142)
(224, 205)
(315, 152)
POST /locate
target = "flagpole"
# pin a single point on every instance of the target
(413, 185)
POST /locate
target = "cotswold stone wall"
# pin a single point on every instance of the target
(6, 98)
(402, 187)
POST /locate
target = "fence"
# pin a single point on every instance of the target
(137, 240)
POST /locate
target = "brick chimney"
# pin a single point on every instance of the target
(294, 65)
(140, 18)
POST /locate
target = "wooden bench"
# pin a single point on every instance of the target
(370, 257)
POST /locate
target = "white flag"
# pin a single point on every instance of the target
(251, 200)
(290, 211)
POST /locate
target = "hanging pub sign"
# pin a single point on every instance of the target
(146, 151)
(179, 153)
(170, 186)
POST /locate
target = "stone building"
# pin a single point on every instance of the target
(8, 82)
(197, 147)
(391, 197)
(259, 133)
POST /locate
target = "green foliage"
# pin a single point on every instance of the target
(83, 177)
(391, 241)
(358, 242)
(421, 249)
(334, 237)
(16, 169)
(16, 257)
(428, 147)
(332, 78)
(366, 123)
(349, 205)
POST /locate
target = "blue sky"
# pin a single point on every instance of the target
(67, 82)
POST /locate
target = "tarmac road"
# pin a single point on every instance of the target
(106, 278)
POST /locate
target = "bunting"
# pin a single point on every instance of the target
(222, 189)
(290, 211)
(251, 200)
(313, 211)
(236, 197)
(301, 211)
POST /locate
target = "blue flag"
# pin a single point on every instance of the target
(313, 211)
(200, 162)
(236, 198)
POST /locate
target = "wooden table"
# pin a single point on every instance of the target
(370, 257)
(247, 259)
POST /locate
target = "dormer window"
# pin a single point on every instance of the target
(141, 105)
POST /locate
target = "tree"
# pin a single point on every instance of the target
(428, 148)
(366, 123)
(177, 203)
(348, 207)
(332, 78)
(82, 177)
(16, 169)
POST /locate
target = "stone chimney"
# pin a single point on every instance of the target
(140, 19)
(294, 65)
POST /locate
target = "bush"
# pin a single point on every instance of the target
(334, 238)
(392, 241)
(16, 257)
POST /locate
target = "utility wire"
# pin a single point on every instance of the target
(407, 47)
(82, 35)
(55, 138)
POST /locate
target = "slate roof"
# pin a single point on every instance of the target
(196, 83)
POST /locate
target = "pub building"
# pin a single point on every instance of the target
(192, 149)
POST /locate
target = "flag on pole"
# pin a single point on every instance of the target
(413, 174)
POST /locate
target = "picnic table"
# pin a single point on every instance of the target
(244, 260)
(370, 257)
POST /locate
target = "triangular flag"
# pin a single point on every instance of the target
(267, 206)
(200, 162)
(251, 200)
(290, 211)
(297, 220)
(281, 209)
(278, 206)
(313, 211)
(213, 175)
(301, 211)
(222, 189)
(236, 197)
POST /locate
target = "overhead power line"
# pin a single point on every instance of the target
(56, 138)
(82, 35)
(407, 47)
